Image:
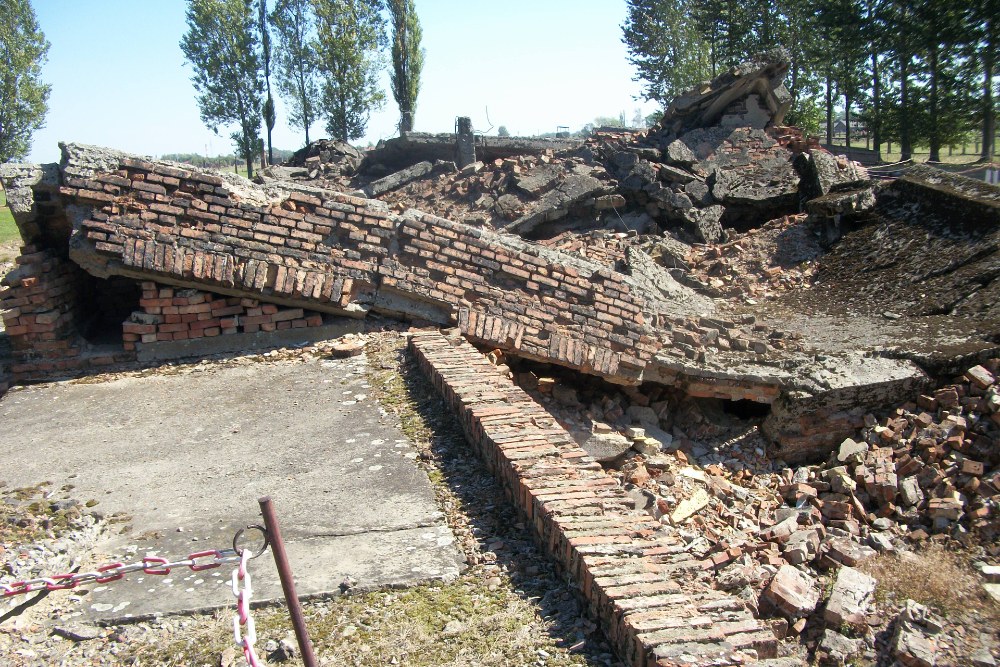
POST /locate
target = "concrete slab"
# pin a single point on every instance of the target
(187, 454)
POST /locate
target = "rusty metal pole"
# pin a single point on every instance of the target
(287, 582)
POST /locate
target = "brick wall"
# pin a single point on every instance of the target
(43, 315)
(654, 601)
(185, 314)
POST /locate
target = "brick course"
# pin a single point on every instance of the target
(636, 574)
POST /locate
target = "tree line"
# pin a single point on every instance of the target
(914, 72)
(325, 59)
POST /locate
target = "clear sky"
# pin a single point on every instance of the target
(119, 78)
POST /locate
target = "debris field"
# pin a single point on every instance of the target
(721, 370)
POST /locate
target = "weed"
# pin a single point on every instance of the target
(940, 578)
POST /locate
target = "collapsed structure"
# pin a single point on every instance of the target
(633, 275)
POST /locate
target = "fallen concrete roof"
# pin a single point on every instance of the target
(412, 147)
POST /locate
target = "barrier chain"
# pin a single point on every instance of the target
(116, 571)
(244, 629)
(242, 617)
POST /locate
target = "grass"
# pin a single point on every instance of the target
(921, 153)
(940, 578)
(8, 230)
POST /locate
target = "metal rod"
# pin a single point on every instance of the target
(287, 582)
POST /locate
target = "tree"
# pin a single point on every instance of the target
(984, 48)
(666, 47)
(502, 131)
(265, 41)
(407, 60)
(23, 96)
(350, 34)
(222, 45)
(296, 70)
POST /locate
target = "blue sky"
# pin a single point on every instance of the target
(119, 78)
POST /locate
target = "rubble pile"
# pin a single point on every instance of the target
(327, 158)
(776, 257)
(926, 471)
(517, 194)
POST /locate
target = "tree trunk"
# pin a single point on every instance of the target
(829, 108)
(343, 118)
(847, 121)
(875, 131)
(307, 134)
(905, 145)
(989, 115)
(935, 134)
(249, 164)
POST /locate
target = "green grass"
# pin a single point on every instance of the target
(921, 153)
(8, 230)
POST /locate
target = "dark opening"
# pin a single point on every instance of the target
(104, 305)
(745, 409)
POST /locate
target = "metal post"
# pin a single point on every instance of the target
(287, 582)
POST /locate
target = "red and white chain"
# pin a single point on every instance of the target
(245, 638)
(115, 571)
(155, 565)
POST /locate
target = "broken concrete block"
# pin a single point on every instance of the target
(801, 547)
(603, 447)
(539, 180)
(639, 414)
(398, 179)
(678, 153)
(850, 599)
(846, 551)
(852, 452)
(704, 224)
(792, 593)
(840, 481)
(910, 492)
(836, 650)
(781, 531)
(690, 506)
(912, 643)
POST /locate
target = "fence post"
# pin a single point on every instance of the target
(287, 581)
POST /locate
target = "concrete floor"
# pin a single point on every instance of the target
(186, 456)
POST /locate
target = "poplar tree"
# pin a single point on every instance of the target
(222, 44)
(350, 35)
(407, 60)
(265, 41)
(666, 47)
(296, 73)
(23, 96)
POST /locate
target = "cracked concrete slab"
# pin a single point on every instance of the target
(187, 452)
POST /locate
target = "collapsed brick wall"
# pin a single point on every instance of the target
(649, 594)
(168, 314)
(341, 254)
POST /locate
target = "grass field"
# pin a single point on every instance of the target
(8, 230)
(921, 153)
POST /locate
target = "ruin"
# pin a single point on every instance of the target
(624, 259)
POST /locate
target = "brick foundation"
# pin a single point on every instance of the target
(652, 598)
(42, 316)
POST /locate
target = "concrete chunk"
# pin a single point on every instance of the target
(850, 598)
